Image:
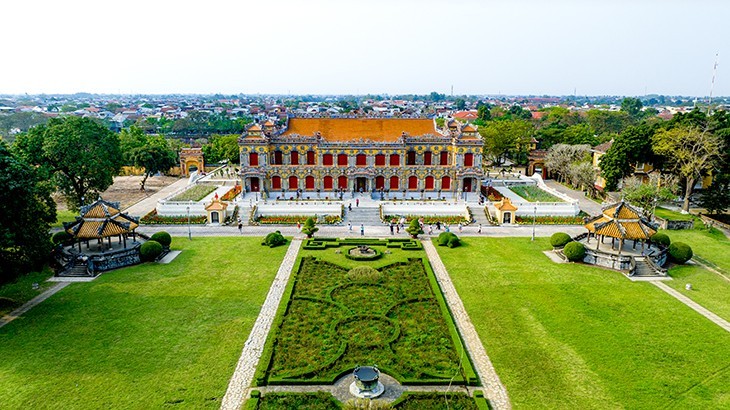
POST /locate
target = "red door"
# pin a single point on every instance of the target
(467, 184)
(253, 159)
(276, 182)
(393, 183)
(395, 160)
(310, 158)
(379, 182)
(469, 160)
(295, 158)
(445, 183)
(327, 160)
(309, 182)
(342, 182)
(361, 160)
(429, 182)
(444, 158)
(412, 183)
(427, 158)
(328, 182)
(342, 160)
(255, 184)
(293, 182)
(380, 160)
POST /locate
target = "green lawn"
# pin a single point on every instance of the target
(19, 291)
(710, 245)
(574, 336)
(672, 215)
(148, 336)
(534, 194)
(64, 216)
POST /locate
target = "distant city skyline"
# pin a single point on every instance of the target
(376, 47)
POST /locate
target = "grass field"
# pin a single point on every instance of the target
(64, 216)
(19, 291)
(148, 336)
(672, 215)
(534, 194)
(580, 337)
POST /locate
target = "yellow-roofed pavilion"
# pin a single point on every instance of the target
(620, 221)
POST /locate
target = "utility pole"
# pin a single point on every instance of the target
(712, 84)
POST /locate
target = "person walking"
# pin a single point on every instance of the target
(362, 230)
(349, 207)
(391, 228)
(480, 229)
(460, 227)
(438, 225)
(430, 229)
(240, 227)
(357, 202)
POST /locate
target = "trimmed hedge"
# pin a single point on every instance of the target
(661, 239)
(163, 238)
(574, 251)
(560, 239)
(377, 255)
(274, 239)
(61, 237)
(150, 250)
(398, 243)
(680, 252)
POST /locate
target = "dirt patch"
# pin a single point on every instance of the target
(126, 190)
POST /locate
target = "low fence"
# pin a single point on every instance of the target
(426, 209)
(713, 222)
(304, 208)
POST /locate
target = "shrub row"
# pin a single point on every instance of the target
(429, 220)
(295, 219)
(550, 220)
(153, 219)
(398, 243)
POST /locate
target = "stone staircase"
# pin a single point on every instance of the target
(478, 214)
(368, 216)
(644, 269)
(77, 270)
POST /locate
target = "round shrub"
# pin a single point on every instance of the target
(163, 238)
(680, 252)
(560, 239)
(661, 239)
(444, 238)
(364, 274)
(150, 250)
(454, 242)
(60, 237)
(574, 251)
(274, 239)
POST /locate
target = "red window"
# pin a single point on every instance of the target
(411, 158)
(429, 182)
(328, 180)
(469, 160)
(342, 182)
(444, 158)
(379, 182)
(310, 158)
(309, 182)
(427, 158)
(393, 183)
(445, 183)
(276, 182)
(277, 158)
(380, 160)
(295, 158)
(342, 160)
(293, 183)
(412, 182)
(361, 160)
(253, 159)
(394, 160)
(327, 160)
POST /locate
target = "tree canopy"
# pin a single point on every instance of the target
(79, 154)
(222, 148)
(506, 138)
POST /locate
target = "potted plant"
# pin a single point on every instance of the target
(414, 228)
(309, 229)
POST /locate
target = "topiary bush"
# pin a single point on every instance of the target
(661, 239)
(364, 274)
(560, 239)
(150, 250)
(414, 228)
(309, 229)
(444, 238)
(274, 239)
(163, 238)
(61, 237)
(574, 251)
(680, 252)
(454, 242)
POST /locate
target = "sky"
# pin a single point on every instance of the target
(556, 47)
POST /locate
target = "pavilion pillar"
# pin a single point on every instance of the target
(598, 241)
(620, 245)
(613, 244)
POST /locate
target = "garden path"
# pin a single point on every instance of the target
(494, 390)
(694, 306)
(586, 205)
(144, 206)
(31, 303)
(254, 346)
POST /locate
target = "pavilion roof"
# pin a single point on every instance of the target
(621, 220)
(100, 220)
(505, 205)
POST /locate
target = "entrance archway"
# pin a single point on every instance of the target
(361, 184)
(255, 185)
(467, 185)
(507, 218)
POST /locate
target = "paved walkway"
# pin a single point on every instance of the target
(494, 390)
(694, 306)
(586, 205)
(254, 346)
(144, 206)
(31, 303)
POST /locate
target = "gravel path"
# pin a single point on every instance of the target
(494, 390)
(254, 346)
(694, 306)
(585, 204)
(31, 303)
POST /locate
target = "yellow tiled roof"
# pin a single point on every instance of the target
(505, 205)
(99, 220)
(374, 129)
(620, 221)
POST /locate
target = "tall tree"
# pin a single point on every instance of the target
(26, 212)
(632, 106)
(560, 158)
(646, 195)
(505, 138)
(222, 148)
(689, 153)
(631, 146)
(81, 155)
(154, 156)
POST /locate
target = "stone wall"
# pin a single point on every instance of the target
(674, 225)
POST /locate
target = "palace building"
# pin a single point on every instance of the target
(328, 155)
